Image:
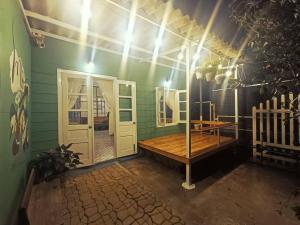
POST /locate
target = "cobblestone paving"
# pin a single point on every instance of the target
(112, 195)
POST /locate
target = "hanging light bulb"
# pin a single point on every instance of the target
(228, 73)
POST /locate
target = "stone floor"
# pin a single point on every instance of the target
(112, 195)
(225, 194)
(144, 190)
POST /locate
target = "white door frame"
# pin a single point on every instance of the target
(134, 116)
(59, 95)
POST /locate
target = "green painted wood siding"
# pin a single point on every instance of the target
(64, 55)
(12, 167)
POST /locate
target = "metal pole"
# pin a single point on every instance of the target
(187, 125)
(187, 184)
(200, 100)
(236, 106)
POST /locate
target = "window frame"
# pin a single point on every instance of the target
(176, 118)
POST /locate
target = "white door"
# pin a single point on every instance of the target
(126, 137)
(77, 115)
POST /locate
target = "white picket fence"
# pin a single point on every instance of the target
(274, 126)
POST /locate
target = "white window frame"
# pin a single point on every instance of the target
(179, 92)
(176, 119)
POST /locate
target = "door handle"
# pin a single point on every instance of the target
(133, 122)
(90, 127)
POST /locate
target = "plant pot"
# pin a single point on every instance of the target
(209, 76)
(220, 78)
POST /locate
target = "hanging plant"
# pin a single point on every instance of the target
(220, 78)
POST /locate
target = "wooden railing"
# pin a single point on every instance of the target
(214, 126)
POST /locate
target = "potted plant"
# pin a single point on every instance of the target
(54, 162)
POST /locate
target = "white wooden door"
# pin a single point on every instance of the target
(77, 115)
(126, 137)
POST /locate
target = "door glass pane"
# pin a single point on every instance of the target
(125, 103)
(124, 90)
(182, 96)
(77, 85)
(125, 116)
(182, 106)
(77, 118)
(77, 102)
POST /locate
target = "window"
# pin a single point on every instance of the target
(168, 107)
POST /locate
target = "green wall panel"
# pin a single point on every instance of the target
(12, 166)
(64, 55)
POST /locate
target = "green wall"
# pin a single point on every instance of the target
(64, 55)
(12, 167)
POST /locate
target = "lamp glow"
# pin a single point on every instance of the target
(167, 83)
(90, 66)
(195, 57)
(180, 56)
(220, 66)
(228, 73)
(158, 42)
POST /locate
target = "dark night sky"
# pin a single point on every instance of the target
(223, 26)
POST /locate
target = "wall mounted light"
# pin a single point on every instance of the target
(90, 66)
(167, 83)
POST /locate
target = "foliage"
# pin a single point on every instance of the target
(272, 45)
(54, 162)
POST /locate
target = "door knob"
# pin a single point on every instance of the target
(90, 127)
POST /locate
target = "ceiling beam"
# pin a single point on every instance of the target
(70, 40)
(91, 34)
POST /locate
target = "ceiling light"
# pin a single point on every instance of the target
(167, 83)
(85, 9)
(90, 66)
(196, 57)
(158, 42)
(180, 56)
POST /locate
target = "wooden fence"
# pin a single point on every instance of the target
(275, 130)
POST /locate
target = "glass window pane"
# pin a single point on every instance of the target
(77, 102)
(125, 103)
(124, 90)
(77, 85)
(182, 116)
(125, 116)
(161, 119)
(77, 118)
